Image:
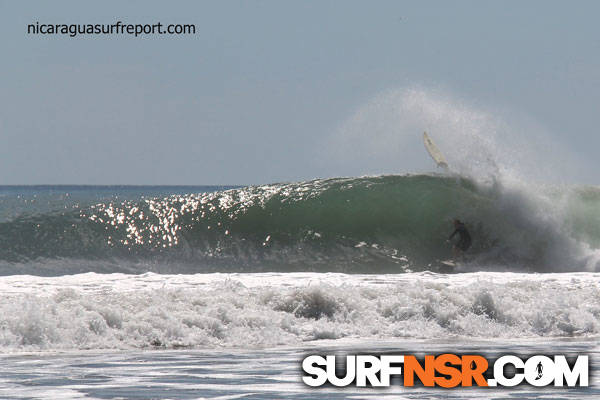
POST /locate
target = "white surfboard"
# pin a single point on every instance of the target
(449, 263)
(434, 152)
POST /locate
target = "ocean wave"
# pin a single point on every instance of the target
(371, 224)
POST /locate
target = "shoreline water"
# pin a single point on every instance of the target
(256, 374)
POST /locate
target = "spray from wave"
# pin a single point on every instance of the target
(520, 161)
(385, 135)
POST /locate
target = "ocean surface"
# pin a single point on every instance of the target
(219, 292)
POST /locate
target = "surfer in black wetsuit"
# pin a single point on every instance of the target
(464, 241)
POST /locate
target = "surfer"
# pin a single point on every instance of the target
(464, 241)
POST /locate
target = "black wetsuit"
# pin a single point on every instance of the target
(465, 238)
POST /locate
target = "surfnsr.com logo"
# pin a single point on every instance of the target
(444, 370)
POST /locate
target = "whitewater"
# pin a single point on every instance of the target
(117, 311)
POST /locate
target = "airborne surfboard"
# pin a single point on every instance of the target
(434, 152)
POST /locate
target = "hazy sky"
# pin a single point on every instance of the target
(287, 90)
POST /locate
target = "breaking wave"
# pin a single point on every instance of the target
(377, 224)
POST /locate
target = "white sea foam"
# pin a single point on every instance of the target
(93, 311)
